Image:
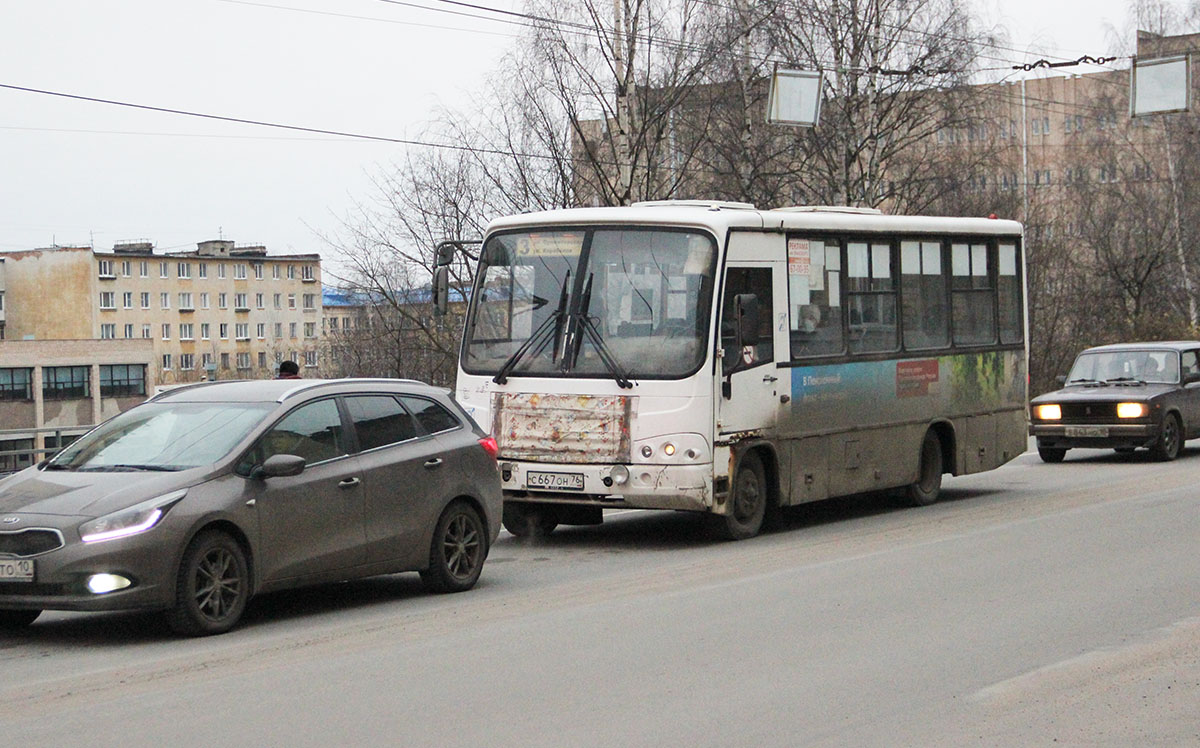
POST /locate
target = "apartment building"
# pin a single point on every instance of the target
(220, 311)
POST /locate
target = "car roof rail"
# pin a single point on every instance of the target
(314, 383)
(175, 388)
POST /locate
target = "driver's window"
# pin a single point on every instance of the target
(312, 431)
(1189, 363)
(755, 281)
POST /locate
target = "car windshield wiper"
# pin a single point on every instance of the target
(1125, 380)
(540, 336)
(56, 466)
(1084, 380)
(584, 325)
(120, 467)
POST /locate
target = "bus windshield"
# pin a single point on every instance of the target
(647, 295)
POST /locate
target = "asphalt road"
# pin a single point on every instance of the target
(1034, 605)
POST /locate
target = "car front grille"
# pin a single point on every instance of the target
(25, 543)
(1089, 412)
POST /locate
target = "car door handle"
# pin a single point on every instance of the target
(349, 483)
(435, 462)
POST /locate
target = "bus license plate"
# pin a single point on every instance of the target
(16, 570)
(555, 481)
(1086, 431)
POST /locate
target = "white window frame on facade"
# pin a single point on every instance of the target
(166, 362)
(147, 331)
(202, 271)
(278, 301)
(164, 299)
(241, 330)
(306, 273)
(260, 301)
(223, 331)
(221, 275)
(261, 330)
(243, 360)
(292, 330)
(258, 271)
(204, 330)
(310, 301)
(126, 268)
(275, 272)
(239, 271)
(108, 331)
(310, 329)
(164, 270)
(240, 301)
(166, 331)
(186, 361)
(127, 300)
(278, 329)
(291, 301)
(310, 358)
(106, 270)
(185, 300)
(186, 331)
(222, 298)
(184, 270)
(128, 330)
(204, 300)
(143, 269)
(145, 299)
(108, 300)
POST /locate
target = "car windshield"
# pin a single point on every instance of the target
(1126, 366)
(647, 295)
(163, 436)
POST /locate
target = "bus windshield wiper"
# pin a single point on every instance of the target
(584, 325)
(540, 336)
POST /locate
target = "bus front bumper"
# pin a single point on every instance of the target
(684, 487)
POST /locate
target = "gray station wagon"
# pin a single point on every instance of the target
(207, 494)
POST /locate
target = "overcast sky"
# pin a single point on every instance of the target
(78, 173)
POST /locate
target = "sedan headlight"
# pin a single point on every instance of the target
(1051, 412)
(129, 521)
(1130, 410)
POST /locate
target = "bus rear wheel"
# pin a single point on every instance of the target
(748, 503)
(928, 485)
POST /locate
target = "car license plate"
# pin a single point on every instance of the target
(555, 481)
(16, 570)
(1086, 431)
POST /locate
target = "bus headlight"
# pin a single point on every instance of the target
(1051, 412)
(1130, 410)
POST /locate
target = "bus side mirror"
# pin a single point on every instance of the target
(445, 254)
(441, 289)
(746, 316)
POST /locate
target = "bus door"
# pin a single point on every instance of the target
(751, 385)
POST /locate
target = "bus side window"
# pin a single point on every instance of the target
(871, 297)
(1008, 286)
(973, 310)
(758, 282)
(814, 297)
(926, 305)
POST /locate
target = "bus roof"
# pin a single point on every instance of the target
(721, 216)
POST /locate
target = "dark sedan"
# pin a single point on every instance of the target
(1123, 397)
(205, 495)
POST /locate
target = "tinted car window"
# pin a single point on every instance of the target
(433, 417)
(379, 420)
(312, 431)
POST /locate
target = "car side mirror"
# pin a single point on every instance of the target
(1061, 379)
(280, 466)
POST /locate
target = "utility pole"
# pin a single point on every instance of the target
(1193, 318)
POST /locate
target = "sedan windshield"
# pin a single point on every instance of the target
(1126, 366)
(163, 436)
(645, 294)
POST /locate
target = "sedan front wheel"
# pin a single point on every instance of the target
(1170, 439)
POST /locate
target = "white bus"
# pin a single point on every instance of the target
(715, 358)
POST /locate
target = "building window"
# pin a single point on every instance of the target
(164, 269)
(144, 269)
(239, 301)
(260, 301)
(239, 271)
(291, 272)
(145, 299)
(291, 301)
(184, 269)
(306, 273)
(206, 360)
(224, 360)
(122, 380)
(185, 300)
(258, 271)
(185, 332)
(262, 359)
(127, 299)
(108, 300)
(126, 268)
(222, 301)
(203, 271)
(164, 300)
(108, 331)
(243, 361)
(187, 361)
(106, 270)
(16, 384)
(146, 331)
(279, 329)
(221, 275)
(291, 329)
(275, 272)
(310, 301)
(223, 330)
(310, 358)
(310, 329)
(129, 330)
(166, 362)
(204, 331)
(278, 301)
(242, 330)
(166, 330)
(204, 300)
(66, 382)
(262, 330)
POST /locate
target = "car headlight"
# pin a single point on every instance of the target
(129, 521)
(1130, 410)
(1051, 412)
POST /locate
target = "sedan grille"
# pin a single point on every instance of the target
(1103, 412)
(24, 543)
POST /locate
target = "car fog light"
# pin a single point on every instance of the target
(1052, 412)
(1130, 410)
(669, 449)
(619, 474)
(98, 584)
(647, 451)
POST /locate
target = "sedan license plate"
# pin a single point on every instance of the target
(16, 570)
(555, 481)
(1086, 430)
